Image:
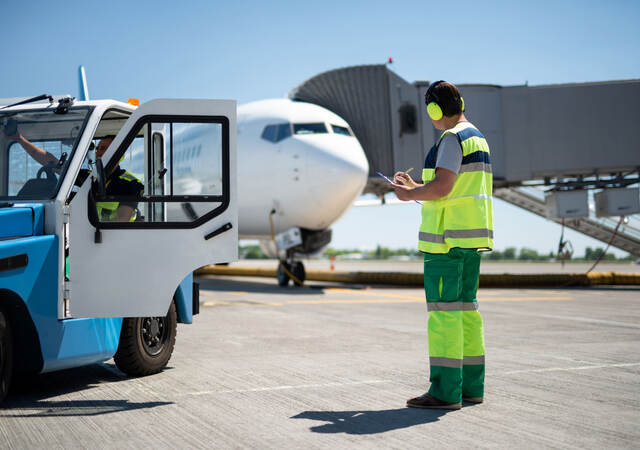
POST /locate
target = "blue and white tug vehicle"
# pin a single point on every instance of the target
(78, 286)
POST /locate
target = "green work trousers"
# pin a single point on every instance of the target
(456, 337)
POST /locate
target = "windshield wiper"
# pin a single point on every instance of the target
(31, 100)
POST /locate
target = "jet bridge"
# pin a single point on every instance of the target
(562, 137)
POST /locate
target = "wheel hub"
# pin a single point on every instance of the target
(153, 333)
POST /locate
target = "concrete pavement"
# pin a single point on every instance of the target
(330, 366)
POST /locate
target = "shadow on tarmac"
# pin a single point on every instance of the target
(370, 422)
(28, 394)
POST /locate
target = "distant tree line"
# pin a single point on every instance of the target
(251, 252)
(379, 253)
(508, 254)
(528, 254)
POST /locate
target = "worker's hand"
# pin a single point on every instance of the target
(403, 192)
(403, 178)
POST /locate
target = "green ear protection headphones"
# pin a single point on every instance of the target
(433, 109)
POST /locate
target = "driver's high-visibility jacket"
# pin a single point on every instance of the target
(463, 218)
(122, 183)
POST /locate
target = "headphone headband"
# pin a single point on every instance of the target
(430, 93)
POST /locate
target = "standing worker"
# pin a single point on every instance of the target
(456, 224)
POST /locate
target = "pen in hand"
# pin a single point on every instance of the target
(406, 172)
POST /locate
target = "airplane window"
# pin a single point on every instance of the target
(284, 131)
(337, 129)
(269, 133)
(276, 133)
(309, 128)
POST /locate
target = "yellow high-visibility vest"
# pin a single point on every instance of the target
(108, 211)
(464, 218)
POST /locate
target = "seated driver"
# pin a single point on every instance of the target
(119, 183)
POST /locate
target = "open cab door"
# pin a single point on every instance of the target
(166, 206)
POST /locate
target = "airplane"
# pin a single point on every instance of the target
(300, 168)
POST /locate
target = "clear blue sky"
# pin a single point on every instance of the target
(250, 50)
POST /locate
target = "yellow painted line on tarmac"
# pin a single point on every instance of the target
(223, 303)
(517, 299)
(411, 300)
(379, 298)
(350, 300)
(408, 298)
(375, 294)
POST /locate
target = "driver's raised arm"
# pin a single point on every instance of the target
(40, 155)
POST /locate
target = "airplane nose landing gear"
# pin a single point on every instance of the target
(299, 272)
(281, 275)
(293, 270)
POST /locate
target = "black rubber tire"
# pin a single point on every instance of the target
(299, 272)
(134, 357)
(6, 355)
(281, 275)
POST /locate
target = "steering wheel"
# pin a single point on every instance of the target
(48, 170)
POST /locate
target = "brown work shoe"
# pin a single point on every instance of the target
(473, 399)
(429, 401)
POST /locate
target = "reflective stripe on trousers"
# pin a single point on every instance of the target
(454, 362)
(452, 306)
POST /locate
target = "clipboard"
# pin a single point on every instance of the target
(385, 177)
(391, 182)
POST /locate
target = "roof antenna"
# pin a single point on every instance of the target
(82, 84)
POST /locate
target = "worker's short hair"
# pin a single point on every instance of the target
(447, 96)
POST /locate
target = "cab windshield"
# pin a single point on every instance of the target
(36, 147)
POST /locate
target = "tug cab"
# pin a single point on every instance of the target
(76, 286)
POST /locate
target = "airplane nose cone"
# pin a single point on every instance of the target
(337, 171)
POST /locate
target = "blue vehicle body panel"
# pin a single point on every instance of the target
(16, 222)
(64, 343)
(77, 342)
(184, 300)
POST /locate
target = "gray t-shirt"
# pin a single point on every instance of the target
(449, 154)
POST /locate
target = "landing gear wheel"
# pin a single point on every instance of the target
(146, 343)
(283, 277)
(6, 355)
(299, 272)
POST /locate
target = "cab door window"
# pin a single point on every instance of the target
(168, 173)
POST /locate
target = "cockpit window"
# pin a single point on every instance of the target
(276, 133)
(309, 128)
(337, 129)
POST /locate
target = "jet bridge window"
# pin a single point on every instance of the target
(276, 132)
(309, 128)
(172, 173)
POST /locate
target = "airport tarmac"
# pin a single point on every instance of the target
(331, 366)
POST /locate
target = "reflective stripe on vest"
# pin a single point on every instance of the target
(465, 217)
(108, 211)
